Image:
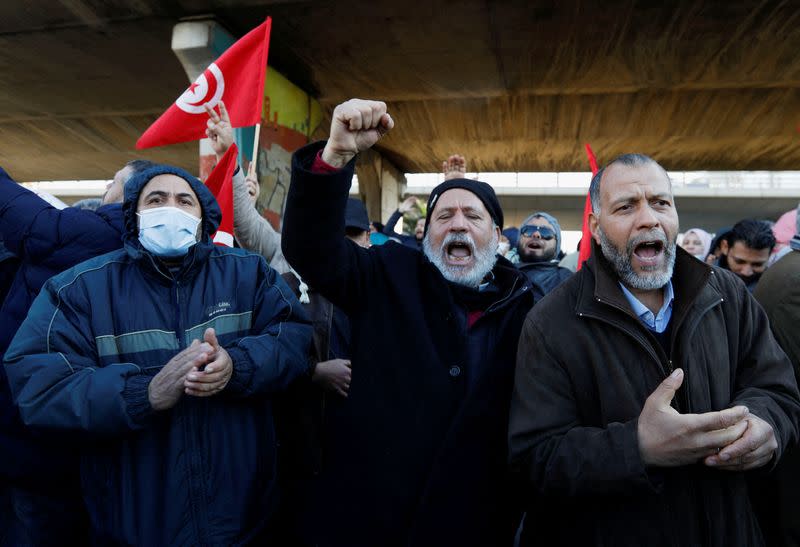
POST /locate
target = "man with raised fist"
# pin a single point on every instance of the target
(416, 455)
(648, 386)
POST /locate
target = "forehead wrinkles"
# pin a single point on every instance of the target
(458, 198)
(639, 181)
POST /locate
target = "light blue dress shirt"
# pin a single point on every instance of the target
(659, 322)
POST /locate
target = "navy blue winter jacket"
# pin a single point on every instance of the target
(46, 241)
(203, 471)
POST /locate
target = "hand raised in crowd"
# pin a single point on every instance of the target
(333, 375)
(356, 125)
(167, 386)
(454, 167)
(251, 180)
(668, 438)
(753, 449)
(219, 130)
(408, 204)
(216, 374)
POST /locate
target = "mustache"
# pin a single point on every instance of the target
(458, 237)
(652, 235)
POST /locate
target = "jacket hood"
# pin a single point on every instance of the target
(208, 204)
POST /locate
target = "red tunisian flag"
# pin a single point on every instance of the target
(236, 77)
(586, 238)
(220, 182)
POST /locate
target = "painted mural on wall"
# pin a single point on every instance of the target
(290, 117)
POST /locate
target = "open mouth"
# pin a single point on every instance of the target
(649, 252)
(458, 252)
(534, 245)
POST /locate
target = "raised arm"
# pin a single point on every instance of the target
(252, 231)
(36, 231)
(313, 226)
(408, 204)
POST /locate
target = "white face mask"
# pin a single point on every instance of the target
(167, 231)
(503, 247)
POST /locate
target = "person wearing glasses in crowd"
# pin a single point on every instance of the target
(539, 249)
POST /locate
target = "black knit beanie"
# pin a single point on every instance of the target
(484, 192)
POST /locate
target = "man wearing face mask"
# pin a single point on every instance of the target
(416, 454)
(46, 507)
(539, 248)
(162, 357)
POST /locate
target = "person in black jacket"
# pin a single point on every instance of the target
(648, 386)
(300, 416)
(416, 455)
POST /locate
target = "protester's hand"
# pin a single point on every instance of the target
(408, 204)
(251, 181)
(455, 167)
(333, 375)
(219, 130)
(356, 125)
(216, 374)
(753, 449)
(166, 387)
(668, 439)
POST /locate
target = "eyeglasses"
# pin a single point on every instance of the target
(544, 231)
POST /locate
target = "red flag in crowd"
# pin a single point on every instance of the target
(220, 182)
(237, 77)
(586, 237)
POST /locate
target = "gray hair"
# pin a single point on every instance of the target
(137, 166)
(629, 160)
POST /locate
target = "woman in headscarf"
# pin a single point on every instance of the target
(696, 242)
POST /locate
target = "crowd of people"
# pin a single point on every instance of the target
(343, 384)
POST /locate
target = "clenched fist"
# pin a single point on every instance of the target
(356, 126)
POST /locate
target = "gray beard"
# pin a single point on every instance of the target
(483, 259)
(652, 278)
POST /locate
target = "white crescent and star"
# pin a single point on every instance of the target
(210, 82)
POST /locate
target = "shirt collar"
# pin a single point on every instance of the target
(659, 321)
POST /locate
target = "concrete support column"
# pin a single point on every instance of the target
(380, 183)
(197, 44)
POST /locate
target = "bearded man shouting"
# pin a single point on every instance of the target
(416, 455)
(648, 386)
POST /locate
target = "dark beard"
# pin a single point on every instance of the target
(529, 259)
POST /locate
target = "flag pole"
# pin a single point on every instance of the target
(254, 157)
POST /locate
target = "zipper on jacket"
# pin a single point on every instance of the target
(686, 379)
(511, 294)
(178, 330)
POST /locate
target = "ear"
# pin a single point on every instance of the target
(723, 247)
(594, 227)
(497, 231)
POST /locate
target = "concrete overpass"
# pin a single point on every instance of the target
(514, 86)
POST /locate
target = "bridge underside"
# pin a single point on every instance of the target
(514, 86)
